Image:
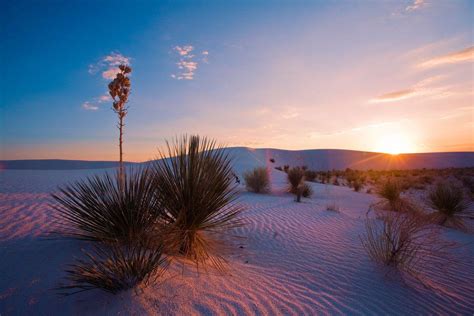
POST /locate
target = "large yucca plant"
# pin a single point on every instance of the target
(450, 204)
(196, 192)
(115, 267)
(103, 208)
(257, 180)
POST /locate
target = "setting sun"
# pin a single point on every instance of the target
(395, 144)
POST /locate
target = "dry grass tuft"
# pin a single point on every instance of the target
(257, 180)
(406, 242)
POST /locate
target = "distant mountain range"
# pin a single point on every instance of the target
(316, 159)
(57, 164)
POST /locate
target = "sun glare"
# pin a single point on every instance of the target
(395, 144)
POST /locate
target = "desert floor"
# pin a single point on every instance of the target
(290, 259)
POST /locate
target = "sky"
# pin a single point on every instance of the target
(389, 76)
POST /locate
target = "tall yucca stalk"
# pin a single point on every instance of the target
(196, 192)
(119, 90)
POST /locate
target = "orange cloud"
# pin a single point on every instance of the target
(396, 95)
(464, 55)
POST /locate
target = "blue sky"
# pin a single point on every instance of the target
(394, 76)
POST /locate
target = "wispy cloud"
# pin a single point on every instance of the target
(104, 98)
(423, 88)
(89, 106)
(415, 5)
(94, 104)
(396, 95)
(108, 65)
(464, 55)
(187, 63)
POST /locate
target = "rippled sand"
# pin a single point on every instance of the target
(292, 259)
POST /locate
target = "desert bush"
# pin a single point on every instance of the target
(390, 194)
(295, 178)
(357, 186)
(272, 160)
(114, 268)
(257, 180)
(468, 183)
(286, 168)
(310, 175)
(198, 198)
(306, 190)
(450, 204)
(405, 242)
(102, 208)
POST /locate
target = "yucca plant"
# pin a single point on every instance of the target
(295, 178)
(391, 199)
(115, 267)
(197, 196)
(257, 180)
(450, 204)
(103, 208)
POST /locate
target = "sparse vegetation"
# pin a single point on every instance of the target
(257, 180)
(306, 190)
(405, 242)
(449, 202)
(390, 194)
(295, 178)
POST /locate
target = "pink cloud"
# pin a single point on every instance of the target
(464, 55)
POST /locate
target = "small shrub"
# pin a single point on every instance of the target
(279, 168)
(468, 183)
(405, 242)
(310, 175)
(390, 192)
(306, 190)
(286, 168)
(272, 160)
(257, 180)
(357, 186)
(114, 268)
(448, 200)
(295, 178)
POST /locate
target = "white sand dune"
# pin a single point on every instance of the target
(292, 259)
